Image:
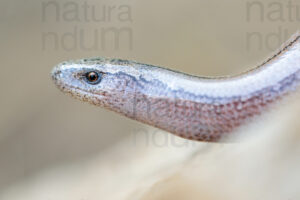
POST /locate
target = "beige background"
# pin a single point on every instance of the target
(42, 129)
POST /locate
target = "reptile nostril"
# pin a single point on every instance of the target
(55, 73)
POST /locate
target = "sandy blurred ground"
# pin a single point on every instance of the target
(48, 139)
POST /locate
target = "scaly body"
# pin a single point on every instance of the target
(191, 107)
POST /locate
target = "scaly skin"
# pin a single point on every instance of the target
(196, 108)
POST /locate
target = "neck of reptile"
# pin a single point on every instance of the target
(207, 109)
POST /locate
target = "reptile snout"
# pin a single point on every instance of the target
(55, 74)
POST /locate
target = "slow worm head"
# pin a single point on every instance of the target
(196, 108)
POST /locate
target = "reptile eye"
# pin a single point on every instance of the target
(93, 77)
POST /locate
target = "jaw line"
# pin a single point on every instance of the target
(68, 89)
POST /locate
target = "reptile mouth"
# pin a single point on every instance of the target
(75, 91)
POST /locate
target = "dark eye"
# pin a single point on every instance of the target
(93, 77)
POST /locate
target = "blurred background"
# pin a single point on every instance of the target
(45, 135)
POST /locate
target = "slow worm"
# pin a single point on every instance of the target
(196, 108)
